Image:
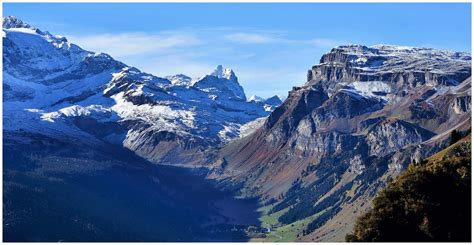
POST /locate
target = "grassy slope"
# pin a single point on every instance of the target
(448, 152)
(288, 233)
(279, 232)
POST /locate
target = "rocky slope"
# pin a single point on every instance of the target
(362, 116)
(55, 88)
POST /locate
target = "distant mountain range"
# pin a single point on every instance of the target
(313, 161)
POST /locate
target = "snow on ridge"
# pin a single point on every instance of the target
(23, 30)
(14, 22)
(179, 80)
(397, 50)
(163, 116)
(213, 107)
(255, 98)
(41, 51)
(221, 72)
(97, 111)
(221, 81)
(383, 58)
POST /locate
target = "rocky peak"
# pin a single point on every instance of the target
(47, 58)
(221, 82)
(14, 22)
(255, 98)
(226, 73)
(274, 100)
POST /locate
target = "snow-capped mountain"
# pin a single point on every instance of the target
(54, 87)
(255, 98)
(221, 82)
(269, 104)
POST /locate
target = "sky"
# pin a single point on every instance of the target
(270, 46)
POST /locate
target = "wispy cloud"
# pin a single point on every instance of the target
(269, 37)
(282, 62)
(128, 44)
(252, 38)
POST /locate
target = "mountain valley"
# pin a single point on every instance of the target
(93, 145)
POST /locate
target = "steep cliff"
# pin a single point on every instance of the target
(362, 116)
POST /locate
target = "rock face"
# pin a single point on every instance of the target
(362, 116)
(54, 87)
(404, 67)
(391, 135)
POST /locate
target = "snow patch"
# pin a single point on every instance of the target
(372, 88)
(251, 126)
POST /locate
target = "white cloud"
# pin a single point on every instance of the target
(129, 44)
(271, 37)
(196, 52)
(252, 38)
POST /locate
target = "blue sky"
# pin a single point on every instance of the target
(269, 46)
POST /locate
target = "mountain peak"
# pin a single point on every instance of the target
(179, 79)
(14, 22)
(274, 100)
(221, 80)
(255, 98)
(221, 72)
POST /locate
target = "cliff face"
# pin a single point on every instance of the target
(403, 67)
(362, 116)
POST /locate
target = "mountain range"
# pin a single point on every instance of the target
(55, 84)
(313, 161)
